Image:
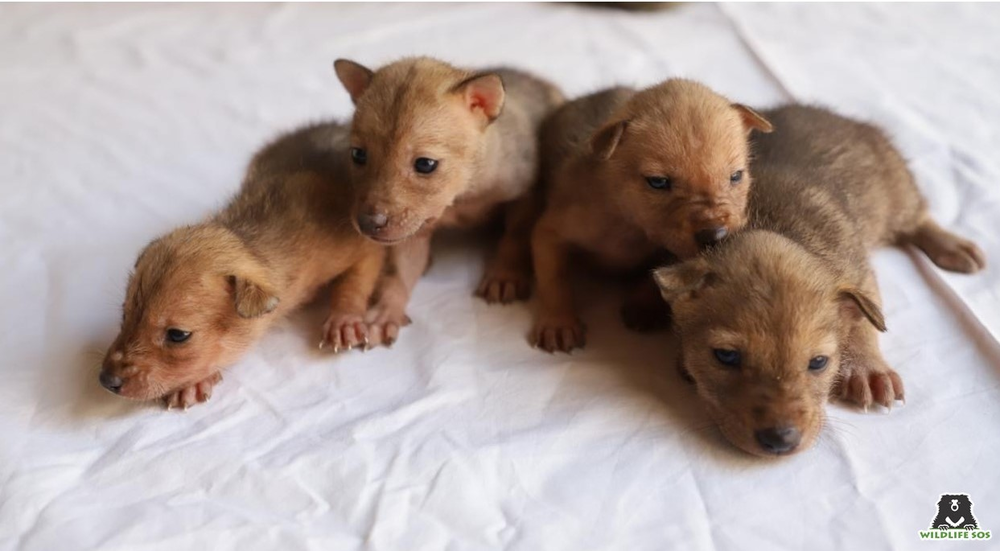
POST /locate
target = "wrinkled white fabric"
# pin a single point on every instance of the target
(120, 122)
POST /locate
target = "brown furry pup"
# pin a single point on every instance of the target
(782, 316)
(436, 146)
(201, 295)
(630, 175)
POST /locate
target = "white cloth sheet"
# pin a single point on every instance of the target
(119, 122)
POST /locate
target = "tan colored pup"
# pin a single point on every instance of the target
(435, 146)
(778, 318)
(631, 175)
(201, 295)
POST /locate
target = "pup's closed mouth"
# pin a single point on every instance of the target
(386, 241)
(422, 229)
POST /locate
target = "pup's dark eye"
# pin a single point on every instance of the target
(424, 165)
(177, 335)
(736, 177)
(818, 363)
(359, 156)
(729, 358)
(658, 182)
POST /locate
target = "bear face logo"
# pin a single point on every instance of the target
(954, 513)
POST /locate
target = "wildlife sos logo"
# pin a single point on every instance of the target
(955, 521)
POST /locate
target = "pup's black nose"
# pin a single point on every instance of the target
(111, 382)
(372, 223)
(778, 439)
(710, 236)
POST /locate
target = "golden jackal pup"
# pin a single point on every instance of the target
(779, 317)
(201, 295)
(436, 146)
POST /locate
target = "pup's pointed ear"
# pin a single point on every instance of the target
(354, 76)
(683, 279)
(252, 300)
(753, 120)
(856, 303)
(483, 93)
(606, 140)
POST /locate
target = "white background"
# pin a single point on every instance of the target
(120, 122)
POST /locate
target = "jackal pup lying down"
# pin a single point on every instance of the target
(780, 317)
(201, 295)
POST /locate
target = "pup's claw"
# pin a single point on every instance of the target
(559, 335)
(871, 382)
(344, 331)
(188, 396)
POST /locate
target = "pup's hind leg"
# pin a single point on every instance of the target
(947, 250)
(865, 377)
(508, 276)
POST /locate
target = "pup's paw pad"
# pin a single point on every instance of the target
(384, 322)
(960, 255)
(505, 287)
(561, 334)
(192, 395)
(344, 332)
(874, 385)
(645, 316)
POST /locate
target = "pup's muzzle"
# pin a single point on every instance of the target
(710, 236)
(372, 224)
(778, 440)
(111, 382)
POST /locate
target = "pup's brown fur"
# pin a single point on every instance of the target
(598, 153)
(285, 234)
(480, 128)
(796, 285)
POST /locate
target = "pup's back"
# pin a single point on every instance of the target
(532, 96)
(296, 191)
(566, 132)
(834, 185)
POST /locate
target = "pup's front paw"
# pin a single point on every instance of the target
(504, 286)
(871, 381)
(344, 331)
(384, 321)
(559, 333)
(195, 394)
(645, 316)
